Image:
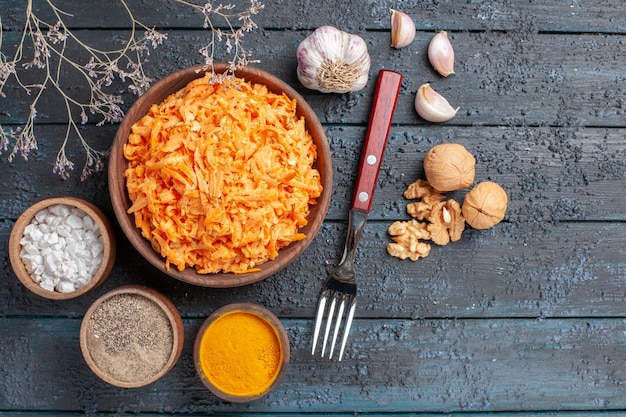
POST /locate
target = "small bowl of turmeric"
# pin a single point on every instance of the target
(241, 352)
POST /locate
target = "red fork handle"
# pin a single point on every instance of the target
(381, 114)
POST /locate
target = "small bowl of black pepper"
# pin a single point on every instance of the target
(131, 336)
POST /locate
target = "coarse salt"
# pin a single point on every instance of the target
(62, 248)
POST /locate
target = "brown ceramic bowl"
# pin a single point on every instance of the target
(255, 332)
(121, 201)
(27, 217)
(131, 336)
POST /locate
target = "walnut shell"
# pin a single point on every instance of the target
(484, 206)
(449, 167)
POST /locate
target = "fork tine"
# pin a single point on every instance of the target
(331, 312)
(342, 306)
(319, 318)
(346, 330)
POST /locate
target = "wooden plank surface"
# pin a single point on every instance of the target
(550, 173)
(525, 319)
(537, 15)
(392, 367)
(508, 272)
(500, 79)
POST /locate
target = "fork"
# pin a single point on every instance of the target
(340, 286)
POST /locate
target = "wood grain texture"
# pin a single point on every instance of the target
(550, 173)
(537, 15)
(501, 78)
(376, 137)
(523, 320)
(392, 366)
(514, 270)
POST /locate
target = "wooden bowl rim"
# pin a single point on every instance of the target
(120, 200)
(17, 232)
(168, 308)
(258, 311)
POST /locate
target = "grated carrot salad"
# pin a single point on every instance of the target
(221, 176)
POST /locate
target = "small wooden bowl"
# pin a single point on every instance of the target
(26, 218)
(93, 339)
(239, 338)
(121, 201)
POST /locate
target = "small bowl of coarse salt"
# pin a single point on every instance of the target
(62, 247)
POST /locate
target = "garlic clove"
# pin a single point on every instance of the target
(402, 29)
(432, 106)
(441, 54)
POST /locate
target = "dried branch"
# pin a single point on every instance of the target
(50, 42)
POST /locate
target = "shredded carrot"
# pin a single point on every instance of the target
(221, 176)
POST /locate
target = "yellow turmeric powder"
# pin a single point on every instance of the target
(241, 354)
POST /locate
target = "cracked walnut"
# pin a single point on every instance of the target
(434, 219)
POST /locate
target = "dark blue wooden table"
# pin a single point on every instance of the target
(527, 318)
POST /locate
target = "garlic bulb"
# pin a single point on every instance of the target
(441, 54)
(402, 29)
(333, 61)
(432, 106)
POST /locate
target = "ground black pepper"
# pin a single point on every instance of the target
(130, 338)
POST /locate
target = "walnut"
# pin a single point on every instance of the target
(440, 222)
(446, 222)
(421, 209)
(449, 167)
(407, 236)
(484, 206)
(428, 195)
(419, 189)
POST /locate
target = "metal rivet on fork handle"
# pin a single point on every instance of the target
(339, 290)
